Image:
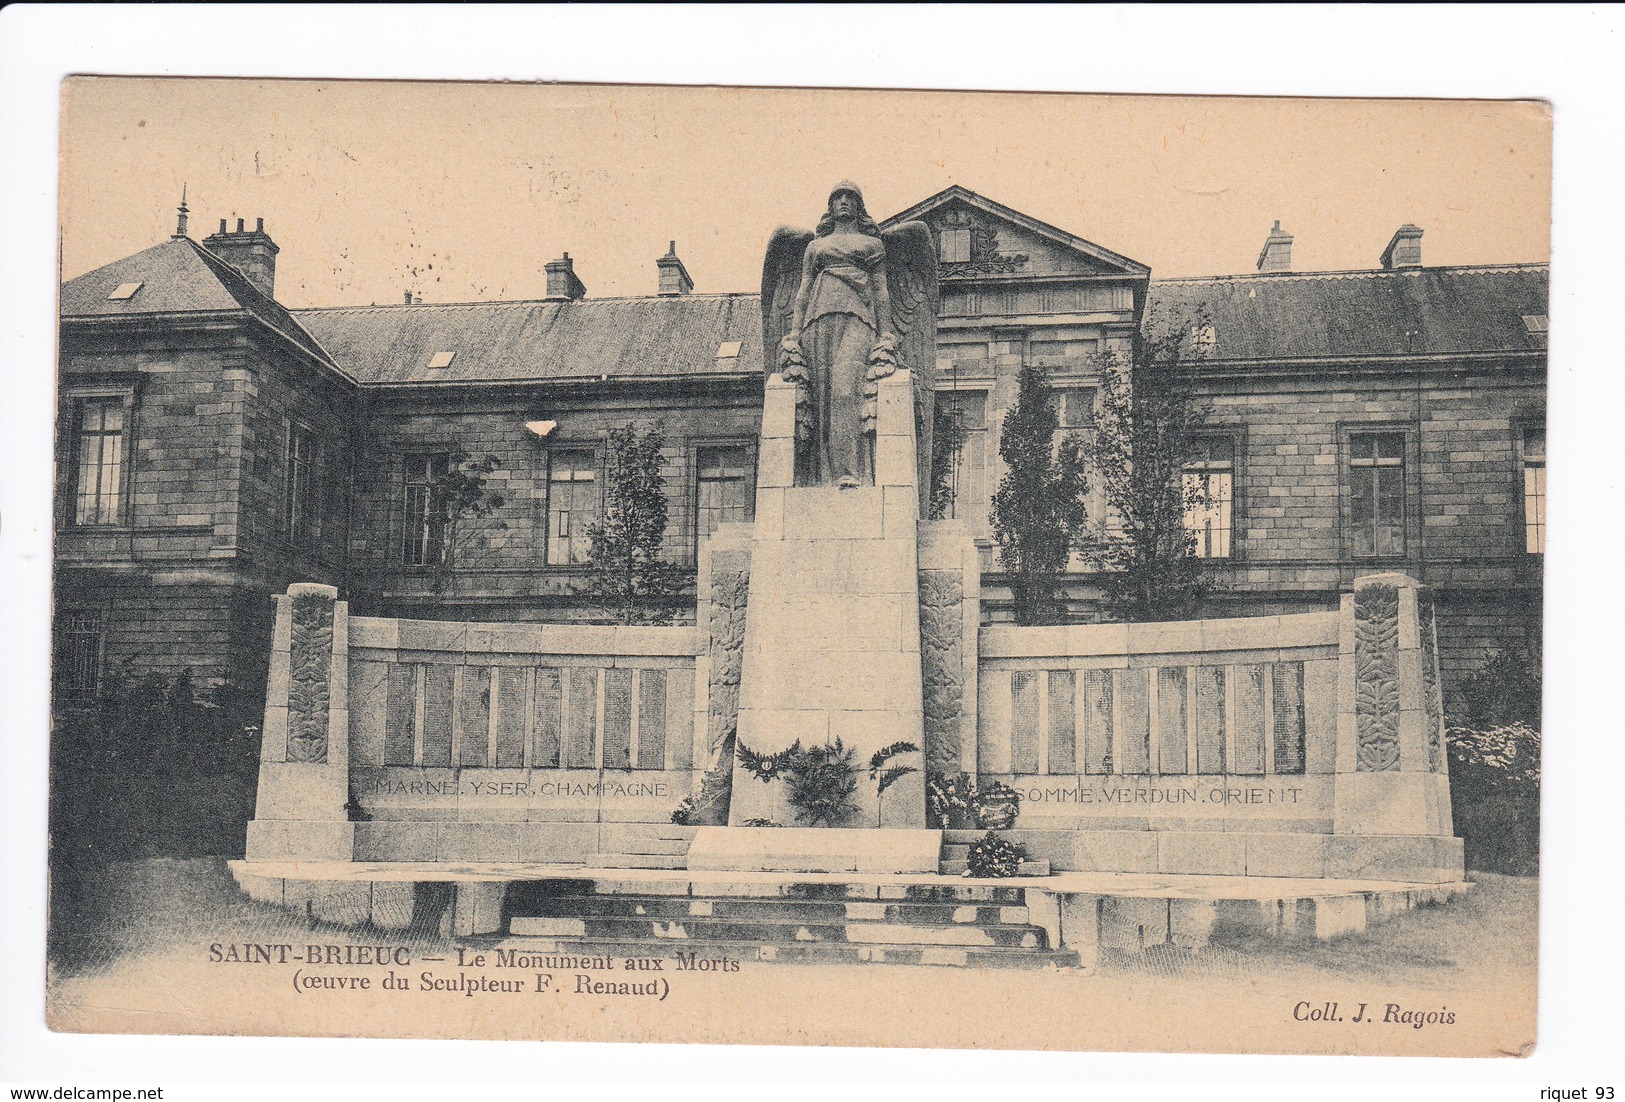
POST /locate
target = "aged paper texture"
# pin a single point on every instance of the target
(714, 565)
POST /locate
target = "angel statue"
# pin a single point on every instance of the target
(842, 308)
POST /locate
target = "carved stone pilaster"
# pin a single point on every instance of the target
(725, 629)
(942, 664)
(1431, 700)
(1376, 664)
(1390, 780)
(310, 665)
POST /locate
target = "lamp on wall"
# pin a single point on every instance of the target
(540, 429)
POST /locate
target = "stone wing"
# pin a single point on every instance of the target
(911, 272)
(781, 279)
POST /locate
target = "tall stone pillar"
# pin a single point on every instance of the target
(301, 812)
(832, 630)
(1391, 770)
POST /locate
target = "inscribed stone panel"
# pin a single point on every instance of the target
(437, 704)
(1134, 708)
(544, 737)
(652, 719)
(1063, 730)
(680, 707)
(1024, 721)
(1173, 733)
(474, 716)
(1288, 704)
(1097, 721)
(617, 719)
(1249, 719)
(510, 717)
(400, 724)
(1209, 719)
(581, 719)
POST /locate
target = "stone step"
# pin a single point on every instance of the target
(705, 930)
(958, 867)
(642, 839)
(788, 953)
(636, 861)
(771, 910)
(840, 891)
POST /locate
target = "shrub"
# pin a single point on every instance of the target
(820, 780)
(1495, 796)
(992, 856)
(1505, 689)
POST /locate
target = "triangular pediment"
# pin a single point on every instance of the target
(979, 238)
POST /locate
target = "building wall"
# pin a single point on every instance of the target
(182, 578)
(1464, 501)
(501, 571)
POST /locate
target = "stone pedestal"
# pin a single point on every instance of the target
(301, 811)
(1391, 773)
(832, 633)
(770, 849)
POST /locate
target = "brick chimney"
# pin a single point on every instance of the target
(673, 276)
(561, 279)
(251, 252)
(1276, 255)
(1405, 250)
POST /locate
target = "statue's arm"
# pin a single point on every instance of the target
(803, 294)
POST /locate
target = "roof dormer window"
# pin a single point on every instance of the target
(442, 359)
(123, 292)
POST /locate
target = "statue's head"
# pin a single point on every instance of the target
(846, 203)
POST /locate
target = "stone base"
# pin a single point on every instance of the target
(773, 849)
(1415, 859)
(300, 840)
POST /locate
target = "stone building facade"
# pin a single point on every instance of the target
(215, 446)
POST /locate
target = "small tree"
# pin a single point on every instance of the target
(1039, 511)
(1147, 421)
(629, 580)
(459, 500)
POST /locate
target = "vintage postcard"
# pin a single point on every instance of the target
(822, 567)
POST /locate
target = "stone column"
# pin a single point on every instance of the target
(950, 625)
(832, 631)
(301, 812)
(1391, 777)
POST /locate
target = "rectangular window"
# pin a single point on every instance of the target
(100, 458)
(79, 653)
(1377, 494)
(1534, 489)
(956, 244)
(299, 479)
(724, 486)
(1075, 407)
(961, 496)
(1209, 484)
(424, 510)
(572, 507)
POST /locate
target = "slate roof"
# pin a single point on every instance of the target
(510, 341)
(1275, 316)
(1312, 315)
(180, 276)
